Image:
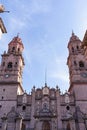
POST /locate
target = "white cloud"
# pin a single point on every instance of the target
(3, 44)
(59, 69)
(60, 75)
(39, 6)
(80, 17)
(16, 24)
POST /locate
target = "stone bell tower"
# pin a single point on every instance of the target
(11, 68)
(77, 63)
(75, 58)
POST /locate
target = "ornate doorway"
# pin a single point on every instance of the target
(23, 127)
(46, 125)
(68, 126)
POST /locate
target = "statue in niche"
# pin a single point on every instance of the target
(24, 98)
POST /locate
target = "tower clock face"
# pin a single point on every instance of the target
(6, 75)
(84, 75)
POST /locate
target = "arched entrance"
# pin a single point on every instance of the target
(23, 127)
(46, 125)
(68, 126)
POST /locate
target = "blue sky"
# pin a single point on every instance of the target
(45, 27)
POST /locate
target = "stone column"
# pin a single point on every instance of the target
(18, 123)
(4, 122)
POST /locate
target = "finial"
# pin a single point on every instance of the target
(17, 34)
(34, 87)
(57, 87)
(45, 84)
(72, 33)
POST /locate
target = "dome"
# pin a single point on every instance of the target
(74, 38)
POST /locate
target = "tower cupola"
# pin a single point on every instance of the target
(74, 44)
(15, 46)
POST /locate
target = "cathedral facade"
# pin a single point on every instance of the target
(45, 108)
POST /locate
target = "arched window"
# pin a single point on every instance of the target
(68, 127)
(77, 47)
(3, 64)
(9, 65)
(75, 63)
(72, 49)
(81, 64)
(13, 49)
(18, 49)
(16, 64)
(46, 125)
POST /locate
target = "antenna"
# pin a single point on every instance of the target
(2, 27)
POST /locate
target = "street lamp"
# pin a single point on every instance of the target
(2, 27)
(2, 9)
